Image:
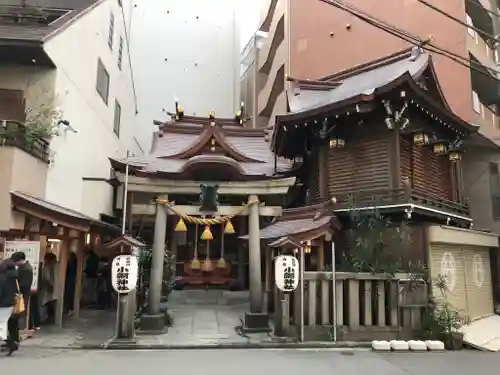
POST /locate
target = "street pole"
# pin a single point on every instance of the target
(301, 265)
(124, 323)
(334, 294)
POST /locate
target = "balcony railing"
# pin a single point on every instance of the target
(15, 134)
(380, 198)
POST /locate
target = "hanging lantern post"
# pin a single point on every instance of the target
(455, 155)
(336, 142)
(439, 147)
(420, 138)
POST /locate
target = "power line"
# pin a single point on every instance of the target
(406, 36)
(447, 15)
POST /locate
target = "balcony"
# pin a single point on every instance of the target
(23, 166)
(484, 82)
(15, 134)
(404, 200)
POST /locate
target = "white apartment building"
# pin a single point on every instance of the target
(68, 60)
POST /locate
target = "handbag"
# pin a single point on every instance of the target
(19, 306)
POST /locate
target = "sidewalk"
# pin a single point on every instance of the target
(203, 327)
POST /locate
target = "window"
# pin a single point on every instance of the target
(102, 84)
(117, 118)
(476, 103)
(120, 53)
(472, 32)
(111, 30)
(495, 189)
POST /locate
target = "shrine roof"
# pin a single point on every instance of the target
(179, 145)
(315, 99)
(304, 223)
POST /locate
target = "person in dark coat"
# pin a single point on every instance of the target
(25, 275)
(8, 291)
(70, 283)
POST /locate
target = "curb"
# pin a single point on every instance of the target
(262, 345)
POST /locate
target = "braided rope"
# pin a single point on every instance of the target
(202, 221)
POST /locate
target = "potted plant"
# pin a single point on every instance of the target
(445, 320)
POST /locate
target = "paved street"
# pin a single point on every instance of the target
(246, 362)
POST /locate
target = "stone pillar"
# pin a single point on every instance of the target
(154, 320)
(254, 257)
(256, 320)
(241, 229)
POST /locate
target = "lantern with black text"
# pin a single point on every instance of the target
(286, 271)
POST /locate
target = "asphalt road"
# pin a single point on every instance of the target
(249, 362)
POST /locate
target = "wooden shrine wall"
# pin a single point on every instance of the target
(362, 165)
(428, 173)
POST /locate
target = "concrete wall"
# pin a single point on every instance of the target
(20, 171)
(85, 154)
(477, 188)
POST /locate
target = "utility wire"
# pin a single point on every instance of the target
(406, 36)
(447, 15)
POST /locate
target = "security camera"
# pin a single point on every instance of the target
(67, 125)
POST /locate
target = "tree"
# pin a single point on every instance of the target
(42, 117)
(375, 239)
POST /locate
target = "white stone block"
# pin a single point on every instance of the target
(417, 346)
(399, 345)
(434, 345)
(381, 346)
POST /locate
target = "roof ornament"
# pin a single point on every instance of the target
(179, 112)
(211, 116)
(239, 114)
(415, 53)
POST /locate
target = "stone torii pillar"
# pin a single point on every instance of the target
(154, 320)
(256, 320)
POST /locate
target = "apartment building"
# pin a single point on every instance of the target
(311, 39)
(64, 67)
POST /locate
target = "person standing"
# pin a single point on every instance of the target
(70, 283)
(9, 322)
(48, 286)
(25, 277)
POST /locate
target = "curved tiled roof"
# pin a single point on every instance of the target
(301, 223)
(178, 145)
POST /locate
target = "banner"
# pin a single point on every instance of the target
(32, 251)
